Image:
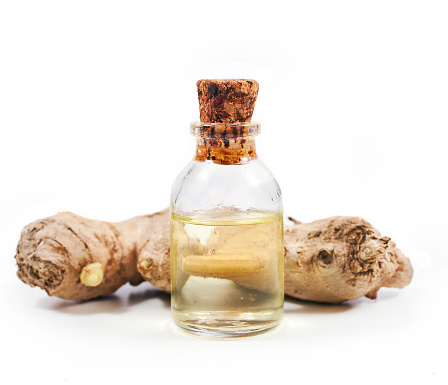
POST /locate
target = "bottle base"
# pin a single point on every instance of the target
(225, 325)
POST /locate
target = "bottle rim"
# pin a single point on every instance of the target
(225, 130)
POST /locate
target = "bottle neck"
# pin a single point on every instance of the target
(225, 143)
(225, 151)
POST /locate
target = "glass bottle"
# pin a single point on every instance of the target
(226, 236)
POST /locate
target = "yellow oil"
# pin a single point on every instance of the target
(227, 274)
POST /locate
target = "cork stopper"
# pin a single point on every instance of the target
(226, 100)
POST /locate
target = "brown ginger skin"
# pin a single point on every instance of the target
(53, 252)
(341, 258)
(330, 260)
(153, 259)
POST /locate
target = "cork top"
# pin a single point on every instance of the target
(226, 100)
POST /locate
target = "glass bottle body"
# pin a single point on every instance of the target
(226, 248)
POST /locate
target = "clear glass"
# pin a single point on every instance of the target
(226, 237)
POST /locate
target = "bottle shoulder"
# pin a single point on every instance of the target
(204, 186)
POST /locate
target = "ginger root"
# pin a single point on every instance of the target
(330, 260)
(341, 258)
(60, 253)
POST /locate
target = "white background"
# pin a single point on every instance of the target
(96, 98)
